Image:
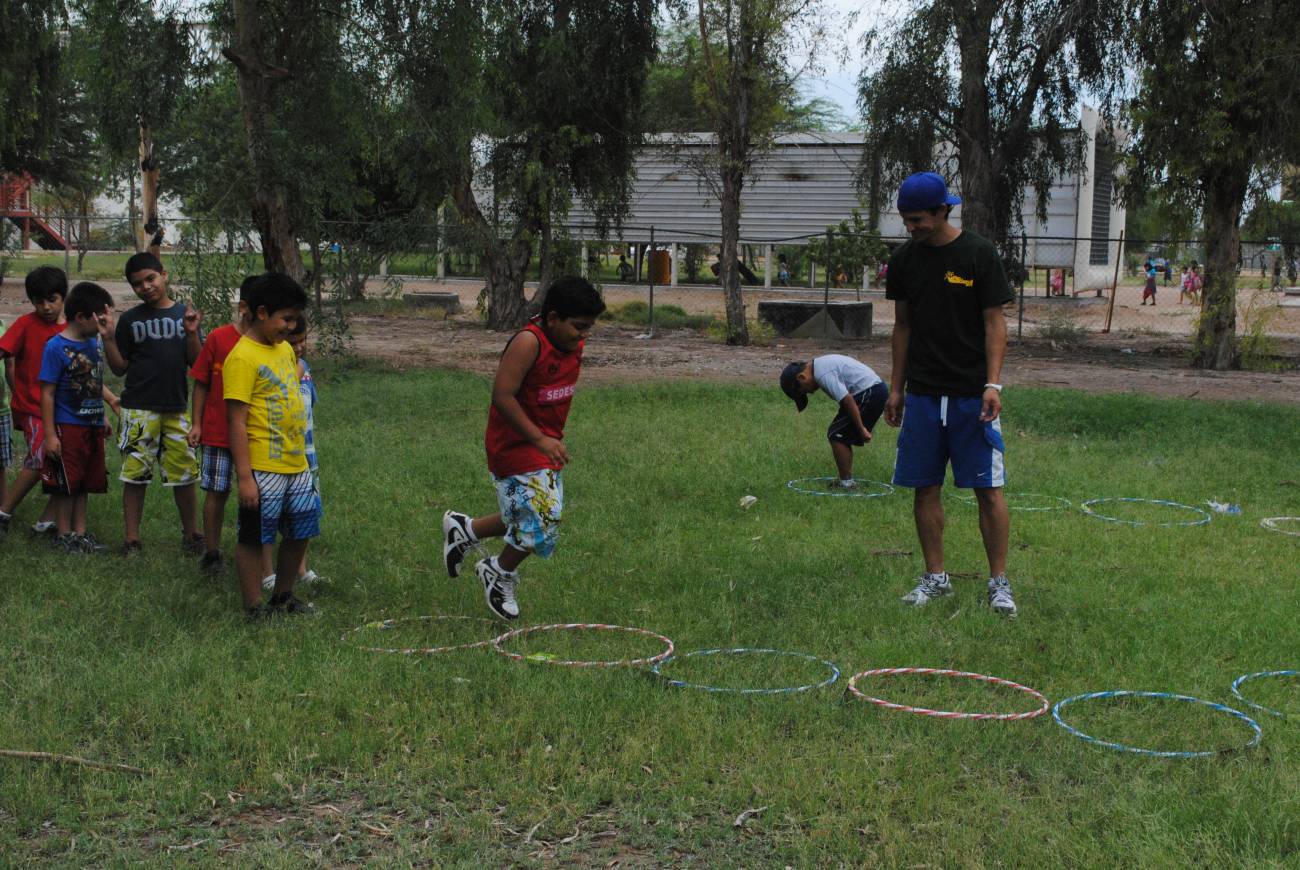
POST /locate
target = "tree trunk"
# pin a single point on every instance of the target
(545, 263)
(256, 80)
(733, 181)
(313, 247)
(133, 214)
(505, 261)
(1216, 331)
(149, 176)
(974, 159)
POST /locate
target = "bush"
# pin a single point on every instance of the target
(637, 313)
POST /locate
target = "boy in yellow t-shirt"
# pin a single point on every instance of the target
(266, 423)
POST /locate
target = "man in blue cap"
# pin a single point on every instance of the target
(949, 340)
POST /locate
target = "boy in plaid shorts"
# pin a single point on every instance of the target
(22, 346)
(209, 428)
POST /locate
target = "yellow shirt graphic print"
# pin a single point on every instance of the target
(265, 377)
(954, 278)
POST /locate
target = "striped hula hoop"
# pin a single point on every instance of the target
(1062, 503)
(1156, 753)
(386, 624)
(804, 485)
(1044, 704)
(498, 644)
(1236, 690)
(683, 684)
(1270, 523)
(1086, 507)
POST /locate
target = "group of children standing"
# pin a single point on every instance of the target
(251, 420)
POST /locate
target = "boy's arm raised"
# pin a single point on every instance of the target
(519, 357)
(107, 323)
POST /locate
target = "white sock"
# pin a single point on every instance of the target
(942, 575)
(495, 563)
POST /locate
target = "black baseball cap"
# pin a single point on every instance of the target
(790, 384)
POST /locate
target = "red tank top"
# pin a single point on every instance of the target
(546, 394)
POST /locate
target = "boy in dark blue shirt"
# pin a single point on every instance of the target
(72, 415)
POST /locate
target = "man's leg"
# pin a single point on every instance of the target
(511, 558)
(995, 528)
(248, 562)
(927, 510)
(488, 527)
(63, 505)
(79, 513)
(214, 516)
(286, 569)
(23, 483)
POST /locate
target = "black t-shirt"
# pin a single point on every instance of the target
(152, 341)
(946, 288)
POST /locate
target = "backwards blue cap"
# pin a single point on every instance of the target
(924, 190)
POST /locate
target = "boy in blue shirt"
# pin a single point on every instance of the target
(72, 415)
(855, 387)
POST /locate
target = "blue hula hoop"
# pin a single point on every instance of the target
(683, 684)
(794, 486)
(1156, 753)
(1086, 507)
(1236, 690)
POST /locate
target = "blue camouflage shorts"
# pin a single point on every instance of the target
(531, 505)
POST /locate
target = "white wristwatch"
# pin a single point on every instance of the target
(997, 387)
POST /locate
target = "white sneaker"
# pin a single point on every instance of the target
(457, 538)
(309, 577)
(498, 588)
(928, 588)
(268, 582)
(45, 527)
(1000, 596)
(847, 483)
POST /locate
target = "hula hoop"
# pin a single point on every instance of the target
(1086, 507)
(949, 714)
(498, 645)
(385, 624)
(683, 684)
(799, 484)
(1236, 690)
(1270, 523)
(1065, 503)
(1156, 753)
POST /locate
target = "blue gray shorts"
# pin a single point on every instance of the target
(942, 429)
(531, 505)
(871, 402)
(6, 439)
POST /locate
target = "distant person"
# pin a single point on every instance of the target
(624, 269)
(949, 340)
(1169, 272)
(1277, 274)
(1187, 286)
(1058, 282)
(1292, 269)
(783, 271)
(855, 388)
(154, 345)
(1198, 281)
(534, 386)
(1149, 288)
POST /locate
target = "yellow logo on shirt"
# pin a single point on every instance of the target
(954, 278)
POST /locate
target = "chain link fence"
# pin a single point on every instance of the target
(1067, 287)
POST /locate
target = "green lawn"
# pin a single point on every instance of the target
(281, 745)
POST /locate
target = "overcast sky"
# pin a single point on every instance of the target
(839, 83)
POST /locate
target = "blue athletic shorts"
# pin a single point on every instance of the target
(531, 505)
(940, 429)
(287, 504)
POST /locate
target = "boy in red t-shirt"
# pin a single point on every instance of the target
(22, 347)
(531, 395)
(209, 428)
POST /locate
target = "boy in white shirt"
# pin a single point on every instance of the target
(858, 390)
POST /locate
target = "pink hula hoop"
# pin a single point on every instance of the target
(497, 644)
(949, 714)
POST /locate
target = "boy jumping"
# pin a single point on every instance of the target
(534, 387)
(858, 390)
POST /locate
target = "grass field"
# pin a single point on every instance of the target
(280, 745)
